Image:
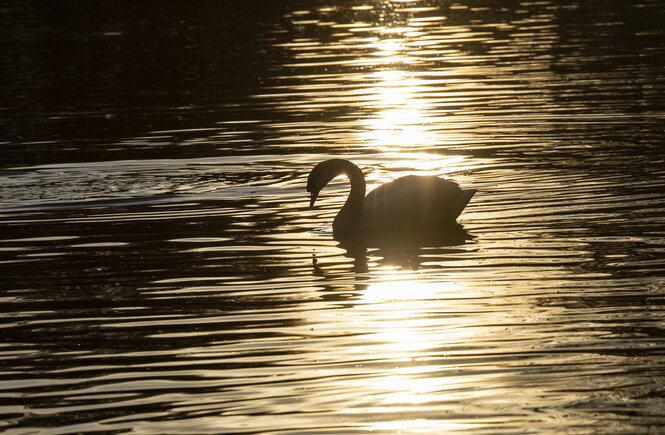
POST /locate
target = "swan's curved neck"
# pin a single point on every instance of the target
(354, 203)
(351, 214)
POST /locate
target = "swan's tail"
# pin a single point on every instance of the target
(468, 194)
(460, 203)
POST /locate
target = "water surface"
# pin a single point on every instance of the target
(162, 271)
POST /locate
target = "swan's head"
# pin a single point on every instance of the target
(320, 177)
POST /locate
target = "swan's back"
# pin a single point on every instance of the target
(414, 202)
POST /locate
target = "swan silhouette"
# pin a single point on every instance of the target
(408, 203)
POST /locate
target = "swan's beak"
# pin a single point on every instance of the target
(312, 199)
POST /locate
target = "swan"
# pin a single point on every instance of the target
(408, 203)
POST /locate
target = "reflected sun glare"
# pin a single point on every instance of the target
(399, 121)
(408, 323)
(399, 310)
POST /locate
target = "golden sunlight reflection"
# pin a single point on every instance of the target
(389, 47)
(408, 328)
(394, 289)
(399, 122)
(402, 118)
(421, 425)
(401, 316)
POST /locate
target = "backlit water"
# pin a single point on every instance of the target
(162, 273)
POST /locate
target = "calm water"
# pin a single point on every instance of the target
(163, 274)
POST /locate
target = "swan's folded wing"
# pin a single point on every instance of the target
(414, 201)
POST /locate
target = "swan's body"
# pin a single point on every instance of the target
(412, 202)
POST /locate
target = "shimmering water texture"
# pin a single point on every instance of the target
(162, 272)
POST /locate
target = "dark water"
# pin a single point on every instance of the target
(161, 272)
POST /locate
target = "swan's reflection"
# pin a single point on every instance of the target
(400, 248)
